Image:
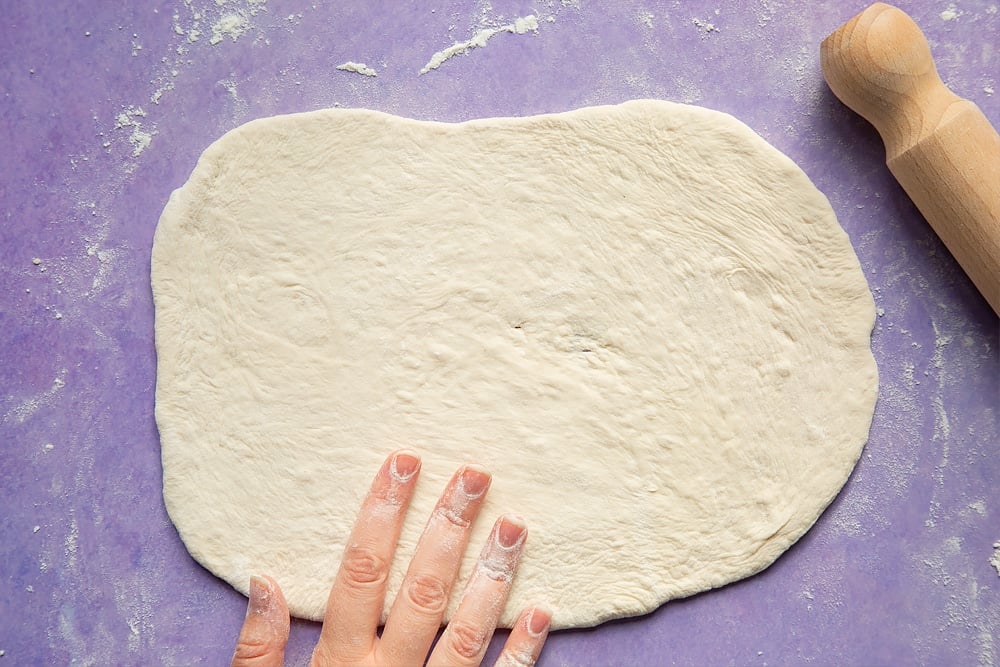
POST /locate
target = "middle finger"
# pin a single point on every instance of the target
(423, 597)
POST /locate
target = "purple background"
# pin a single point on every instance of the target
(92, 571)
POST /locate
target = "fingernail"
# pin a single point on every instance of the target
(511, 532)
(475, 480)
(404, 465)
(260, 595)
(539, 620)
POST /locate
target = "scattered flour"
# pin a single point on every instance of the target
(229, 25)
(72, 542)
(227, 19)
(233, 24)
(19, 413)
(950, 13)
(158, 93)
(358, 68)
(704, 25)
(942, 427)
(191, 21)
(519, 26)
(129, 119)
(995, 559)
(234, 92)
(979, 507)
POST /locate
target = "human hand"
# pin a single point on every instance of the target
(349, 635)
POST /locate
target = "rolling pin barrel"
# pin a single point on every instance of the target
(940, 147)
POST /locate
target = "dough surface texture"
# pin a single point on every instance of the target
(643, 319)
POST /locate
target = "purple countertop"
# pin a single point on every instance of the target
(106, 106)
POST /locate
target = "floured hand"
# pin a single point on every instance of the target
(349, 636)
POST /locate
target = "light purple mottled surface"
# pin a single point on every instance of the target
(91, 570)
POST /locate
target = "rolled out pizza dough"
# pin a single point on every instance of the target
(643, 319)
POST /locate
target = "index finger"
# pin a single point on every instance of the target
(354, 608)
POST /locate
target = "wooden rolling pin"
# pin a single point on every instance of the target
(940, 147)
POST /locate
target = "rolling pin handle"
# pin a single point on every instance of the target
(940, 147)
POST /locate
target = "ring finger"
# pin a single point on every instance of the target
(464, 640)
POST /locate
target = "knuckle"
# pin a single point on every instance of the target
(362, 567)
(250, 649)
(386, 494)
(466, 640)
(455, 516)
(516, 658)
(427, 593)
